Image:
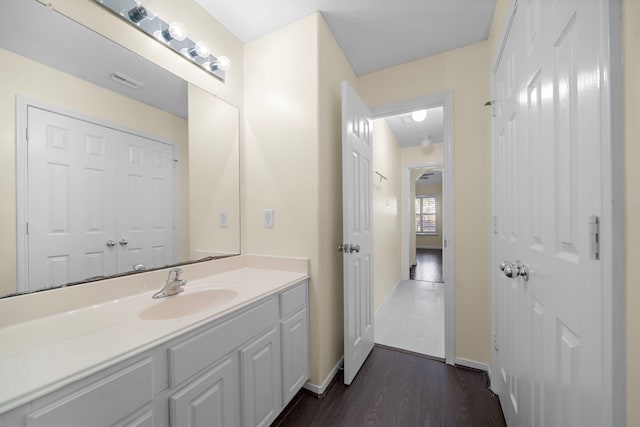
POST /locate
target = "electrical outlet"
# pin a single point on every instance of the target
(223, 219)
(268, 218)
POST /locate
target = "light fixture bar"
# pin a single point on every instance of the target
(171, 34)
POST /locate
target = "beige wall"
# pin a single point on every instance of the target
(328, 315)
(631, 91)
(213, 175)
(428, 241)
(463, 71)
(24, 77)
(387, 218)
(280, 159)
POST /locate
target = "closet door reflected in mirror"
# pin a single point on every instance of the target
(80, 225)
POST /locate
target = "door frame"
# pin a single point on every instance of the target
(22, 105)
(444, 99)
(612, 221)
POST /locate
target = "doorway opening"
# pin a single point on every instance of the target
(415, 312)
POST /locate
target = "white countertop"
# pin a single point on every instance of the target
(43, 354)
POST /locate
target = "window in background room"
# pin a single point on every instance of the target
(426, 217)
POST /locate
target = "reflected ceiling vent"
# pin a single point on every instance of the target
(125, 80)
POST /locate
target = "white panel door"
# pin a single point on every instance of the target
(547, 195)
(145, 220)
(71, 208)
(99, 200)
(357, 128)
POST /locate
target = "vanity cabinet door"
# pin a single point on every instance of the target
(211, 400)
(261, 379)
(101, 403)
(295, 354)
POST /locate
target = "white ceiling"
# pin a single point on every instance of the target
(410, 133)
(373, 34)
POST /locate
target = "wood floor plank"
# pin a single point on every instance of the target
(428, 266)
(396, 388)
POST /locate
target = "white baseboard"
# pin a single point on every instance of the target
(428, 247)
(320, 389)
(472, 364)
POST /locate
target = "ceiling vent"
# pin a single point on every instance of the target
(125, 80)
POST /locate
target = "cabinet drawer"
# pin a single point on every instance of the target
(102, 403)
(293, 299)
(195, 354)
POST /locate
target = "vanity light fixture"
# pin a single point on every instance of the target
(419, 115)
(171, 34)
(139, 12)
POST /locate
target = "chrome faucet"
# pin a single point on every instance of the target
(173, 285)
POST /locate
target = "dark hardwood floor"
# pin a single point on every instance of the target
(397, 388)
(428, 266)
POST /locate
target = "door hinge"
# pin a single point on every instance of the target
(27, 228)
(594, 237)
(26, 133)
(495, 341)
(495, 225)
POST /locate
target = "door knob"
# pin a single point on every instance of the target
(123, 242)
(342, 247)
(354, 248)
(110, 243)
(518, 269)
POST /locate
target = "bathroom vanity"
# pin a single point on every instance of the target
(231, 350)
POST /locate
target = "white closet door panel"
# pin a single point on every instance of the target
(70, 217)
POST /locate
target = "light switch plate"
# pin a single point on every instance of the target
(223, 219)
(268, 218)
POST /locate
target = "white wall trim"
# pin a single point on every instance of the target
(322, 388)
(472, 364)
(429, 247)
(613, 232)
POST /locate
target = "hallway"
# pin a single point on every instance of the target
(412, 318)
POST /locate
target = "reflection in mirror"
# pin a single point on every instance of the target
(61, 90)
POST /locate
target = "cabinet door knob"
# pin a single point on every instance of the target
(123, 242)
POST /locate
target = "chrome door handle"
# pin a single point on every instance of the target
(110, 243)
(519, 269)
(123, 242)
(354, 248)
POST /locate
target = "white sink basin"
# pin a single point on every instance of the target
(187, 303)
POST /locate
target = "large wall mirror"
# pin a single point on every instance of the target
(110, 164)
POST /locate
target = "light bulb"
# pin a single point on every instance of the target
(221, 63)
(419, 115)
(176, 31)
(200, 49)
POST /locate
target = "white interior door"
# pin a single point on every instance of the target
(145, 219)
(71, 214)
(357, 206)
(99, 200)
(547, 201)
